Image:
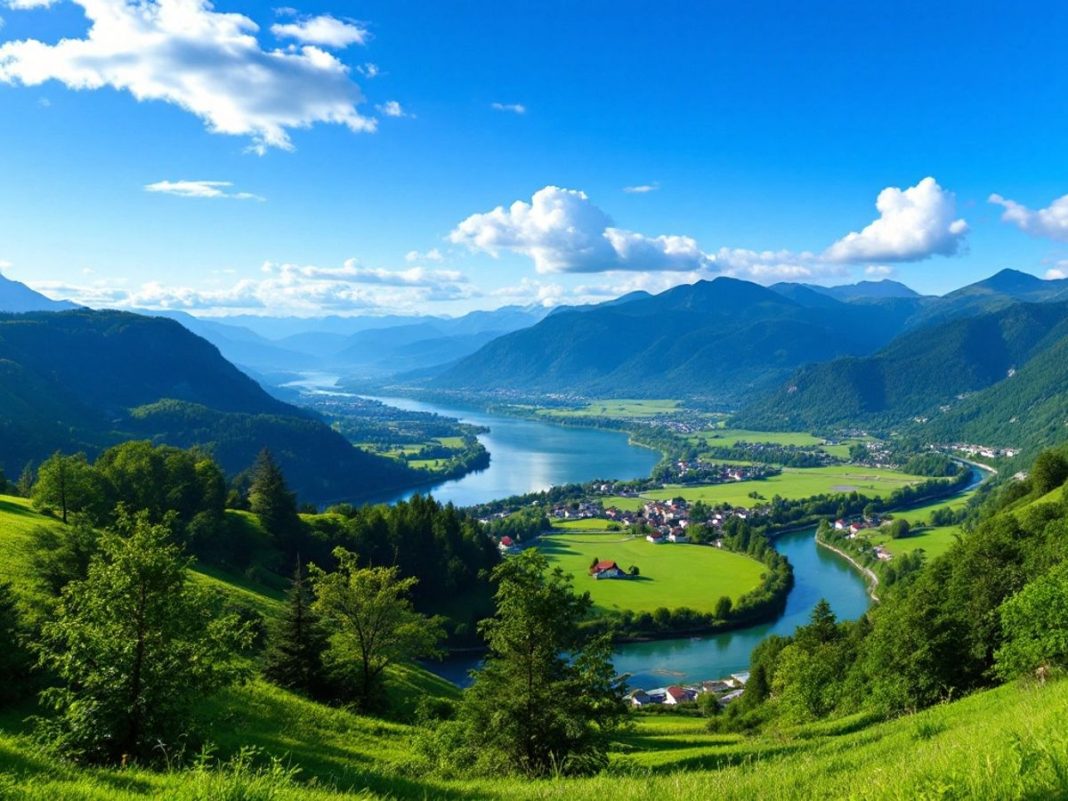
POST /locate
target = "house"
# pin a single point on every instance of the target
(731, 696)
(655, 537)
(657, 696)
(716, 686)
(508, 545)
(855, 528)
(677, 535)
(679, 695)
(607, 570)
(740, 679)
(641, 698)
(840, 525)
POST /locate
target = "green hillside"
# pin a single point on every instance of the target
(84, 380)
(914, 374)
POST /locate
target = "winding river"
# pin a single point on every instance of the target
(529, 455)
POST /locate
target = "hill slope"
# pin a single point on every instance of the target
(82, 380)
(16, 297)
(913, 375)
(715, 339)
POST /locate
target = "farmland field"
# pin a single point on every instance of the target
(589, 524)
(617, 408)
(727, 437)
(672, 575)
(795, 483)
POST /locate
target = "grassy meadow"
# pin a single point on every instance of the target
(616, 409)
(794, 483)
(672, 575)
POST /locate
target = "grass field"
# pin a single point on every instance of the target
(627, 504)
(617, 408)
(672, 575)
(795, 483)
(590, 524)
(726, 437)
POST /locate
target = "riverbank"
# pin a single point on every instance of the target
(869, 574)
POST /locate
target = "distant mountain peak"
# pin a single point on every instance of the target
(16, 297)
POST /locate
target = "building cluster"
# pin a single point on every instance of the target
(725, 691)
(698, 471)
(854, 528)
(986, 451)
(669, 520)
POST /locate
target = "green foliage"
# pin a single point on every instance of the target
(1035, 625)
(371, 623)
(1049, 471)
(272, 502)
(60, 556)
(15, 658)
(547, 698)
(297, 642)
(133, 646)
(67, 484)
(899, 529)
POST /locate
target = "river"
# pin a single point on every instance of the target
(530, 456)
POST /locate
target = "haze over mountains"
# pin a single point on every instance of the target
(972, 364)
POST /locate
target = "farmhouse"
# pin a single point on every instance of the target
(607, 570)
(508, 545)
(679, 695)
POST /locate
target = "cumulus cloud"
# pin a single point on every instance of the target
(913, 224)
(324, 30)
(563, 232)
(200, 189)
(640, 189)
(514, 108)
(391, 108)
(369, 70)
(209, 63)
(304, 290)
(1050, 222)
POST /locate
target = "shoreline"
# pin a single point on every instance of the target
(872, 580)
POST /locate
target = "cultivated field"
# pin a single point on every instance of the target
(617, 408)
(794, 483)
(672, 575)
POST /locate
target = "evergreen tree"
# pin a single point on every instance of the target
(15, 660)
(547, 697)
(272, 502)
(295, 649)
(134, 646)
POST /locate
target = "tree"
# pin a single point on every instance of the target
(133, 646)
(58, 557)
(66, 483)
(1049, 471)
(372, 624)
(1035, 625)
(899, 529)
(272, 502)
(24, 486)
(723, 608)
(297, 642)
(15, 659)
(547, 697)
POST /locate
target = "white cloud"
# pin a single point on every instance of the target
(1056, 273)
(303, 290)
(641, 189)
(913, 224)
(26, 4)
(5, 264)
(563, 232)
(369, 70)
(514, 108)
(324, 30)
(1050, 222)
(391, 108)
(878, 270)
(431, 255)
(200, 189)
(209, 63)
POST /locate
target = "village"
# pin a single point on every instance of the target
(723, 690)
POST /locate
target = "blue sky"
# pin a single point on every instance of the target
(269, 168)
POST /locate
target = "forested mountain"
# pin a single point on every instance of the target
(996, 292)
(1027, 411)
(82, 380)
(16, 297)
(916, 373)
(714, 339)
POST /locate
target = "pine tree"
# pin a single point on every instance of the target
(295, 648)
(272, 502)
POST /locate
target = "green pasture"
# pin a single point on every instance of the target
(672, 575)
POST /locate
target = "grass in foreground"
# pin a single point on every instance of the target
(672, 575)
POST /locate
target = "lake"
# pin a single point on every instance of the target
(529, 456)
